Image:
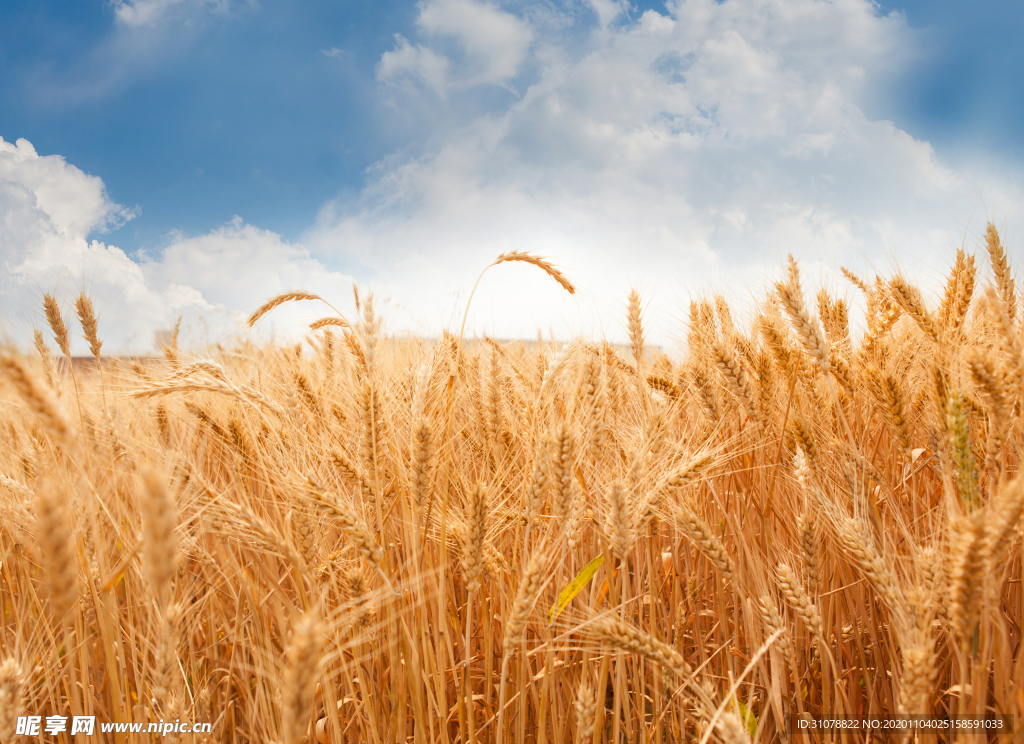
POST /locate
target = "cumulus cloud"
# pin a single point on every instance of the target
(72, 201)
(680, 148)
(49, 209)
(237, 266)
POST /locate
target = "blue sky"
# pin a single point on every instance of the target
(241, 114)
(330, 123)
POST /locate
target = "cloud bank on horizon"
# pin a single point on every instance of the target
(681, 152)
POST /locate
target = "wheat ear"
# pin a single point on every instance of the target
(967, 579)
(269, 534)
(809, 548)
(422, 462)
(619, 526)
(159, 520)
(965, 472)
(1001, 269)
(57, 546)
(731, 729)
(794, 593)
(476, 528)
(12, 698)
(636, 329)
(56, 323)
(15, 487)
(303, 661)
(909, 300)
(332, 322)
(677, 479)
(857, 541)
(991, 384)
(774, 622)
(170, 349)
(919, 658)
(1003, 518)
(280, 299)
(562, 467)
(1010, 342)
(621, 635)
(806, 329)
(87, 317)
(370, 330)
(890, 400)
(735, 379)
(349, 523)
(47, 359)
(541, 263)
(698, 531)
(530, 586)
(959, 292)
(244, 393)
(586, 712)
(166, 657)
(38, 397)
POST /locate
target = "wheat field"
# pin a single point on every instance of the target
(362, 539)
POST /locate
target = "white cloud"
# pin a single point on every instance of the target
(608, 10)
(237, 266)
(134, 13)
(414, 63)
(72, 201)
(146, 36)
(494, 42)
(671, 151)
(489, 48)
(338, 53)
(48, 211)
